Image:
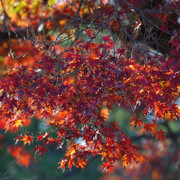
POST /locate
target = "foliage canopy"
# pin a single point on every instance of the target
(70, 63)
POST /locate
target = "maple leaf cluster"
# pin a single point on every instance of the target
(68, 85)
(70, 99)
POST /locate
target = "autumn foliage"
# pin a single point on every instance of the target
(71, 63)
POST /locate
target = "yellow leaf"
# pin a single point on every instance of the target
(18, 123)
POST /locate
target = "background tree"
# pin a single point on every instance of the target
(73, 64)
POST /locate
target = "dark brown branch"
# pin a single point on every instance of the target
(4, 36)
